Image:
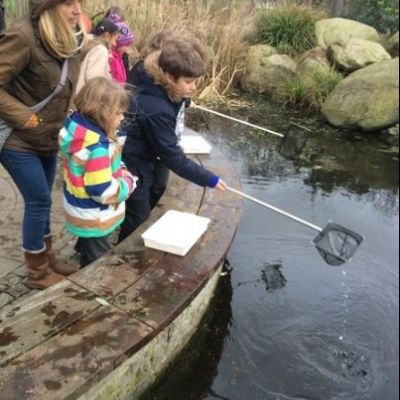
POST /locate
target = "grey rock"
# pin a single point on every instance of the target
(268, 74)
(357, 53)
(367, 99)
(340, 30)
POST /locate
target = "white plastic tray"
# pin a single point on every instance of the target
(176, 232)
(195, 145)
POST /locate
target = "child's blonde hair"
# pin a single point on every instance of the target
(178, 56)
(57, 36)
(100, 100)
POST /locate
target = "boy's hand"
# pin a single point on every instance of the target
(222, 186)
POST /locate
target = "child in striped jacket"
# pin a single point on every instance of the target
(95, 183)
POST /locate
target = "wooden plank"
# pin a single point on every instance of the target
(62, 341)
(68, 364)
(112, 274)
(35, 320)
(169, 287)
(130, 260)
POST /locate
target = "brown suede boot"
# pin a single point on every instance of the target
(40, 276)
(58, 266)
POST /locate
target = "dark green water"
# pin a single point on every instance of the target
(286, 326)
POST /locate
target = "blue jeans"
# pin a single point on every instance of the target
(34, 176)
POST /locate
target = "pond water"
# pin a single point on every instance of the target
(285, 325)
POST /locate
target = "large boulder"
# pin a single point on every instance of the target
(266, 74)
(339, 30)
(357, 54)
(260, 52)
(367, 99)
(314, 62)
(394, 45)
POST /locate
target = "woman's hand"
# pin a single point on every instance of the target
(222, 186)
(33, 122)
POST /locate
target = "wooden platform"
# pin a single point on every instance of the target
(108, 331)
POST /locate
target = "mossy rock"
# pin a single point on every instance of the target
(394, 45)
(313, 62)
(341, 30)
(367, 99)
(266, 75)
(357, 54)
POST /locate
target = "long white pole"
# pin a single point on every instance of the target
(237, 120)
(270, 207)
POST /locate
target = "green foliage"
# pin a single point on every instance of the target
(381, 14)
(312, 95)
(295, 93)
(291, 29)
(16, 9)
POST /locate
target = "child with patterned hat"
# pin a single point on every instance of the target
(124, 41)
(115, 14)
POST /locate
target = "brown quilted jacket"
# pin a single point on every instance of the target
(28, 75)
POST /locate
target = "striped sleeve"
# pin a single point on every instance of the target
(98, 178)
(127, 188)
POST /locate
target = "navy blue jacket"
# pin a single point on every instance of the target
(151, 133)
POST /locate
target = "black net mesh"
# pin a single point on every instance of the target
(293, 143)
(337, 244)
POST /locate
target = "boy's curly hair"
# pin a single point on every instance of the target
(177, 55)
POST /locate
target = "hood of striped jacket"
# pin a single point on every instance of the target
(81, 133)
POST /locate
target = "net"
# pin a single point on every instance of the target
(293, 143)
(337, 244)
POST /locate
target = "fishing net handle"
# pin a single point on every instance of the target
(194, 105)
(275, 209)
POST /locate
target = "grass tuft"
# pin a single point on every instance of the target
(311, 95)
(291, 29)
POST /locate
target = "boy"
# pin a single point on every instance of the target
(167, 75)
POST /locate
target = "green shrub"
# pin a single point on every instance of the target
(312, 95)
(381, 14)
(323, 85)
(291, 29)
(295, 93)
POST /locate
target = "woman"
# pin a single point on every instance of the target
(32, 56)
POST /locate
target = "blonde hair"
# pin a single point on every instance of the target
(57, 36)
(100, 100)
(177, 56)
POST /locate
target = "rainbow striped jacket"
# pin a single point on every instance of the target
(95, 186)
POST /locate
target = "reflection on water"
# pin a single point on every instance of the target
(299, 329)
(273, 277)
(196, 369)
